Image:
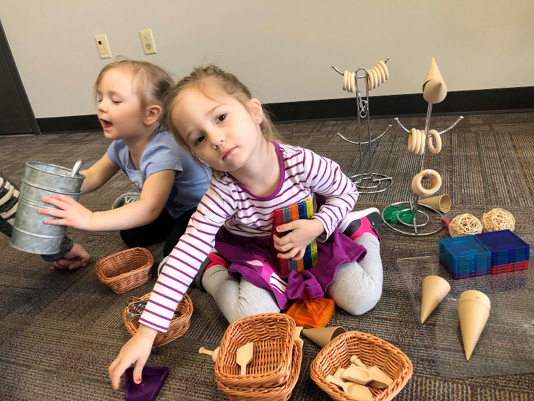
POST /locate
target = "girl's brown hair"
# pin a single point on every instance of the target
(206, 79)
(152, 84)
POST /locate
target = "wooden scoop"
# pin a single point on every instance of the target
(357, 374)
(354, 389)
(213, 353)
(379, 378)
(244, 356)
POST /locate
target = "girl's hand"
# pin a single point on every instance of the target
(75, 258)
(301, 234)
(136, 350)
(69, 212)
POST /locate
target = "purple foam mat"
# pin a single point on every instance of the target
(152, 381)
(506, 345)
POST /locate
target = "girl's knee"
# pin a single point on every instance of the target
(363, 302)
(244, 309)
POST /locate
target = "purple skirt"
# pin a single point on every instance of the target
(251, 258)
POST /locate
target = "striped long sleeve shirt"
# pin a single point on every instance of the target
(227, 202)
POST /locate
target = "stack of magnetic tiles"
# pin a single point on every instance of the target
(296, 211)
(476, 255)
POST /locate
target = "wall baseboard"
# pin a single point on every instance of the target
(461, 102)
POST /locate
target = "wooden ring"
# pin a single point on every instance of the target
(345, 79)
(412, 140)
(379, 75)
(382, 72)
(434, 178)
(421, 142)
(437, 138)
(370, 82)
(375, 78)
(385, 68)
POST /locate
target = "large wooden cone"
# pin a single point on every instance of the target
(434, 290)
(473, 311)
(434, 88)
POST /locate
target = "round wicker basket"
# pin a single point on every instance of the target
(125, 270)
(177, 328)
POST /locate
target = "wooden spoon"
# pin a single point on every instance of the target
(244, 356)
(379, 378)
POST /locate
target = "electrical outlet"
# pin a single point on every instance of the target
(147, 40)
(103, 46)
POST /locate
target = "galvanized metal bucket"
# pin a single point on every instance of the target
(30, 234)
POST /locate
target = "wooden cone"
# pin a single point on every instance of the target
(473, 311)
(441, 202)
(434, 290)
(434, 88)
(323, 335)
(432, 73)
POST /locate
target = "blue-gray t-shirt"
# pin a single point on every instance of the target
(163, 153)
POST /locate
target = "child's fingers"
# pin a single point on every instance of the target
(116, 370)
(300, 254)
(286, 227)
(291, 254)
(138, 372)
(282, 244)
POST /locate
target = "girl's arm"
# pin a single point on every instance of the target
(136, 350)
(154, 196)
(98, 174)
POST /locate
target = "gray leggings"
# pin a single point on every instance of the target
(356, 288)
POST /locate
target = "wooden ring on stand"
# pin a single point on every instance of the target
(412, 140)
(370, 82)
(352, 82)
(382, 72)
(434, 178)
(379, 75)
(385, 68)
(437, 137)
(345, 80)
(375, 77)
(421, 138)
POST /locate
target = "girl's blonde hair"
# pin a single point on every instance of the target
(208, 79)
(152, 82)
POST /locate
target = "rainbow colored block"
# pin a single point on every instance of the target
(296, 211)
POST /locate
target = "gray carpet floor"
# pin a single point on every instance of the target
(60, 330)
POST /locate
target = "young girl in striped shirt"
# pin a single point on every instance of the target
(214, 116)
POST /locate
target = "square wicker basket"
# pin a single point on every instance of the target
(125, 270)
(273, 336)
(372, 351)
(177, 328)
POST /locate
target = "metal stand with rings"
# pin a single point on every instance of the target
(413, 227)
(366, 182)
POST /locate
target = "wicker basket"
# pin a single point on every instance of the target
(372, 351)
(177, 328)
(125, 270)
(280, 392)
(273, 337)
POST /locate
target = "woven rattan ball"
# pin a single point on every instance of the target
(464, 224)
(498, 219)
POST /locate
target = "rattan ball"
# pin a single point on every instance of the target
(465, 224)
(498, 219)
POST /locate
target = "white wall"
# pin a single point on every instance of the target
(283, 50)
